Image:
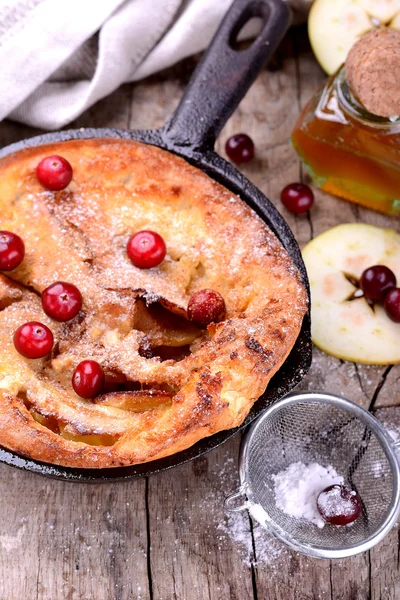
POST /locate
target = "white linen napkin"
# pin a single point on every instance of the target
(59, 58)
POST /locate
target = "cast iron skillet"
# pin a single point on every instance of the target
(220, 81)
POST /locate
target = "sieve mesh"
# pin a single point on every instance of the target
(317, 431)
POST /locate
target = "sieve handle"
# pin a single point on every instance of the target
(231, 502)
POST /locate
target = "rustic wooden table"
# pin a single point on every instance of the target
(167, 537)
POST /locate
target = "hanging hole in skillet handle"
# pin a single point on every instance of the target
(237, 501)
(224, 75)
(244, 38)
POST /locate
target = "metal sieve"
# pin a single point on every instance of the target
(329, 430)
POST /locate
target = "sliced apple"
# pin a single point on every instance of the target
(343, 325)
(335, 25)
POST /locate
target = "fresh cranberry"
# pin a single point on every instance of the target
(146, 249)
(205, 307)
(12, 251)
(376, 281)
(297, 198)
(33, 340)
(339, 505)
(61, 301)
(88, 379)
(392, 304)
(54, 173)
(240, 148)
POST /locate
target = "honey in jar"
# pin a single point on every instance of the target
(349, 151)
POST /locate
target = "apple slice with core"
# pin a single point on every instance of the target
(344, 324)
(335, 25)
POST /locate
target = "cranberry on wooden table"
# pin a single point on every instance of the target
(298, 198)
(54, 173)
(146, 249)
(88, 379)
(376, 281)
(12, 251)
(33, 340)
(61, 301)
(338, 505)
(205, 307)
(240, 148)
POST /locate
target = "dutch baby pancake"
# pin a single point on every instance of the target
(143, 306)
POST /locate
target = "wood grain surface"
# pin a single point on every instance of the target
(168, 537)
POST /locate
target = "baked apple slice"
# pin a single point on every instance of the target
(335, 25)
(344, 324)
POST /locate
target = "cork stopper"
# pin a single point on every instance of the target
(373, 71)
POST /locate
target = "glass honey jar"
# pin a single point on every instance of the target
(349, 151)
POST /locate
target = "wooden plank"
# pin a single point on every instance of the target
(192, 556)
(14, 132)
(385, 577)
(72, 541)
(389, 393)
(154, 101)
(19, 539)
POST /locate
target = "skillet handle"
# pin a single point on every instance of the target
(224, 75)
